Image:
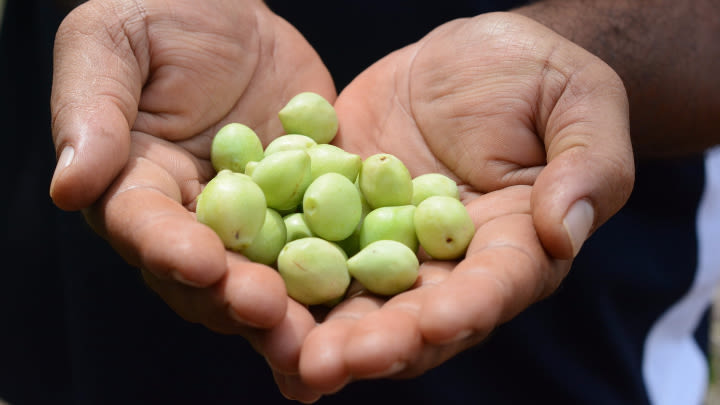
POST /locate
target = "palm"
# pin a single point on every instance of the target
(436, 118)
(481, 105)
(222, 64)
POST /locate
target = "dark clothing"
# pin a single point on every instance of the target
(78, 326)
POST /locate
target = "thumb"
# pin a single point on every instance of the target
(96, 86)
(590, 170)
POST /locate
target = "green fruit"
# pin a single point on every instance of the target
(314, 270)
(351, 244)
(311, 115)
(283, 177)
(289, 142)
(332, 207)
(385, 267)
(234, 207)
(234, 146)
(431, 184)
(444, 227)
(325, 158)
(267, 244)
(385, 181)
(296, 227)
(392, 223)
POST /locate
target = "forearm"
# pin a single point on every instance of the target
(667, 54)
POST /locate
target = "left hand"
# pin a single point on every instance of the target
(534, 129)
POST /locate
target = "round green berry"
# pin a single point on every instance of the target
(385, 181)
(394, 223)
(444, 227)
(283, 177)
(289, 142)
(332, 207)
(311, 115)
(234, 207)
(430, 184)
(267, 244)
(385, 267)
(234, 146)
(314, 270)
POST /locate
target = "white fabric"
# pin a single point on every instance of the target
(675, 369)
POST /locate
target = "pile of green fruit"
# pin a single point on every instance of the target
(321, 215)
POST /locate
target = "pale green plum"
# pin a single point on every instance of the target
(444, 227)
(351, 244)
(385, 267)
(385, 181)
(394, 223)
(283, 177)
(431, 184)
(234, 207)
(234, 146)
(326, 158)
(314, 270)
(296, 227)
(289, 142)
(332, 207)
(310, 114)
(267, 244)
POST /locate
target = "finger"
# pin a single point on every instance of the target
(143, 215)
(387, 342)
(249, 296)
(505, 271)
(281, 345)
(322, 362)
(292, 387)
(590, 170)
(151, 230)
(204, 306)
(97, 79)
(255, 294)
(362, 338)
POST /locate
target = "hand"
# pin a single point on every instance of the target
(534, 129)
(139, 90)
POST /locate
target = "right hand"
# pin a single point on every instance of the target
(139, 90)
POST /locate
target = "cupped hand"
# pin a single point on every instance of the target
(139, 89)
(535, 131)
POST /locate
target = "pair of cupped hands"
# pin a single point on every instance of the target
(533, 128)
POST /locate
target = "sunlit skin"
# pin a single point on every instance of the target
(528, 124)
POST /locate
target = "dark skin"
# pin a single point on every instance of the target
(667, 56)
(141, 138)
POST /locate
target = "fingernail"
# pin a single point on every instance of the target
(236, 317)
(66, 157)
(395, 368)
(577, 223)
(180, 278)
(463, 334)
